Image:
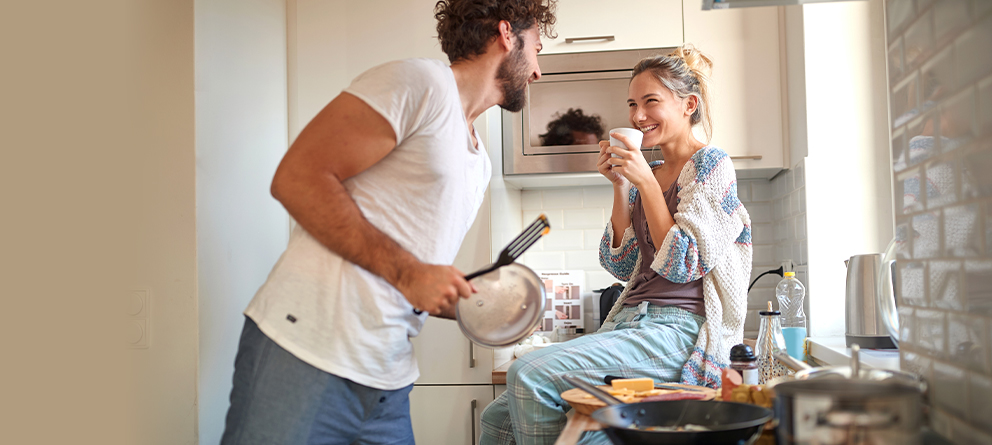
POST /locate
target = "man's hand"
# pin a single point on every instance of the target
(434, 289)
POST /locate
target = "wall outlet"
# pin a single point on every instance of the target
(136, 328)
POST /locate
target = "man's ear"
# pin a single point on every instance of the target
(505, 37)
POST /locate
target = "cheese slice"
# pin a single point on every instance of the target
(644, 384)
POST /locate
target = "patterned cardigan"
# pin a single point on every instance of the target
(711, 239)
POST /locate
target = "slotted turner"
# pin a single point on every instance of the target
(518, 246)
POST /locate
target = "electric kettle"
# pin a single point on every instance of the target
(864, 319)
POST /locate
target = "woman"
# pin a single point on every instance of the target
(685, 301)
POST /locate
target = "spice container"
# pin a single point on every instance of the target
(770, 342)
(743, 360)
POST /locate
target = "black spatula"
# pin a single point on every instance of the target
(518, 246)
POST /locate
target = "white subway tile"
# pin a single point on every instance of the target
(762, 233)
(801, 226)
(789, 229)
(949, 388)
(789, 184)
(561, 240)
(800, 178)
(761, 212)
(778, 186)
(761, 191)
(796, 254)
(592, 238)
(544, 260)
(981, 394)
(802, 200)
(744, 191)
(600, 279)
(583, 260)
(583, 218)
(794, 203)
(531, 200)
(803, 259)
(554, 217)
(763, 254)
(777, 211)
(569, 198)
(598, 196)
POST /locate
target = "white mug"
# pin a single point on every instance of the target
(635, 135)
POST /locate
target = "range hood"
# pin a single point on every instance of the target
(726, 4)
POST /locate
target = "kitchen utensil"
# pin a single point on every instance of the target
(828, 406)
(580, 401)
(508, 306)
(726, 422)
(863, 319)
(848, 411)
(518, 246)
(610, 378)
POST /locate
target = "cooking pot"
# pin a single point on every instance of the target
(628, 423)
(508, 306)
(826, 406)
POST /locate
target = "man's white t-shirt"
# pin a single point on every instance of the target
(424, 194)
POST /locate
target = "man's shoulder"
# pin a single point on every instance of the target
(414, 71)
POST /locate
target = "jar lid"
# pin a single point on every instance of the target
(742, 353)
(770, 311)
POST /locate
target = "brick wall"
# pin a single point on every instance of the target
(940, 86)
(578, 217)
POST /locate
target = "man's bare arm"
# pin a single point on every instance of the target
(344, 139)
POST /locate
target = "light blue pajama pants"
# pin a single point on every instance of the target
(643, 341)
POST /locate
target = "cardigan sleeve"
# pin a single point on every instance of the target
(707, 223)
(619, 261)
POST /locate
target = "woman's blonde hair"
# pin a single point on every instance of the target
(686, 72)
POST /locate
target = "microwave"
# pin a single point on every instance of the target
(577, 96)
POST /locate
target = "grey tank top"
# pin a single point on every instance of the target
(647, 285)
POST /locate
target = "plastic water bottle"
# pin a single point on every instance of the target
(790, 293)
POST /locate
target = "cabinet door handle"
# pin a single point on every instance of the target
(471, 354)
(474, 405)
(754, 157)
(577, 39)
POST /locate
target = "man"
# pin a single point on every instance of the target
(384, 182)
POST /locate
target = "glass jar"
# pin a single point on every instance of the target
(770, 341)
(743, 360)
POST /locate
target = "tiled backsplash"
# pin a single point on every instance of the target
(940, 76)
(578, 218)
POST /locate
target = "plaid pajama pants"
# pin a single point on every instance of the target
(642, 341)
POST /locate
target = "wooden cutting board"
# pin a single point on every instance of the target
(584, 403)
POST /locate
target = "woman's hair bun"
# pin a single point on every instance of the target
(701, 65)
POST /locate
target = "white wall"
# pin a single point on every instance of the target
(242, 133)
(848, 186)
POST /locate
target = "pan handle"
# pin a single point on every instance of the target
(594, 391)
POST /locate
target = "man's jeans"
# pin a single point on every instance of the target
(279, 399)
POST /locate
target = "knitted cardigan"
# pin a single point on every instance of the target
(711, 239)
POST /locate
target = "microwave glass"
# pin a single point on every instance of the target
(580, 108)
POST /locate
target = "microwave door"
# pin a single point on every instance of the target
(571, 113)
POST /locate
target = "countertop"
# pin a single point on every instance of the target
(499, 374)
(833, 351)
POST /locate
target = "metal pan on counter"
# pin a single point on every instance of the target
(677, 422)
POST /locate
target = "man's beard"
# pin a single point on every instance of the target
(512, 76)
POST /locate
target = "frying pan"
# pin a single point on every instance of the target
(728, 422)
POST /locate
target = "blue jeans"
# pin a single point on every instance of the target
(648, 341)
(279, 399)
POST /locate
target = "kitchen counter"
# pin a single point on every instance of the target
(833, 351)
(499, 374)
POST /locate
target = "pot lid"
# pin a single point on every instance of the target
(507, 308)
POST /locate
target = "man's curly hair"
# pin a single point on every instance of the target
(465, 27)
(561, 127)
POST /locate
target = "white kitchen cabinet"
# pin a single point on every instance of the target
(453, 422)
(633, 24)
(747, 83)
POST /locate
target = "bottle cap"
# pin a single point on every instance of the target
(790, 274)
(769, 311)
(742, 353)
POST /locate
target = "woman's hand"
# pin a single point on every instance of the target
(605, 167)
(630, 164)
